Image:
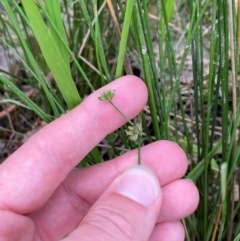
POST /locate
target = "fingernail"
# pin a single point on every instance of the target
(140, 184)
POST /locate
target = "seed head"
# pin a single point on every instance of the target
(107, 95)
(134, 131)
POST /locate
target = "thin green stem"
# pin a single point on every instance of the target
(120, 112)
(146, 68)
(139, 149)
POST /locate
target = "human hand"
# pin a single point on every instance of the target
(43, 198)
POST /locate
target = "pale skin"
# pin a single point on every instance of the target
(43, 198)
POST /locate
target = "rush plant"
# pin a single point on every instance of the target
(134, 131)
(187, 53)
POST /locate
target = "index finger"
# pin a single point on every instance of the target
(32, 173)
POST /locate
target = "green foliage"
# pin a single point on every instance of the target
(53, 49)
(187, 52)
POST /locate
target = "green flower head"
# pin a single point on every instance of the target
(107, 95)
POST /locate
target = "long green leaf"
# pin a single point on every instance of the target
(54, 11)
(52, 55)
(124, 38)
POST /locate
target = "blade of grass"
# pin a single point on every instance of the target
(200, 167)
(69, 50)
(223, 73)
(101, 58)
(155, 76)
(224, 204)
(234, 63)
(127, 64)
(89, 23)
(15, 102)
(146, 68)
(237, 237)
(52, 55)
(27, 100)
(54, 11)
(30, 58)
(124, 37)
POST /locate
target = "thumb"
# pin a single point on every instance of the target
(127, 210)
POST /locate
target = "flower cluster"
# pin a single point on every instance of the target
(134, 129)
(107, 95)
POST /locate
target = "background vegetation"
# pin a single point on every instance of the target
(54, 53)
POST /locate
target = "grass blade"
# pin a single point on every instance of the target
(52, 55)
(27, 100)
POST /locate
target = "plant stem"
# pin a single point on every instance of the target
(139, 149)
(132, 124)
(120, 112)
